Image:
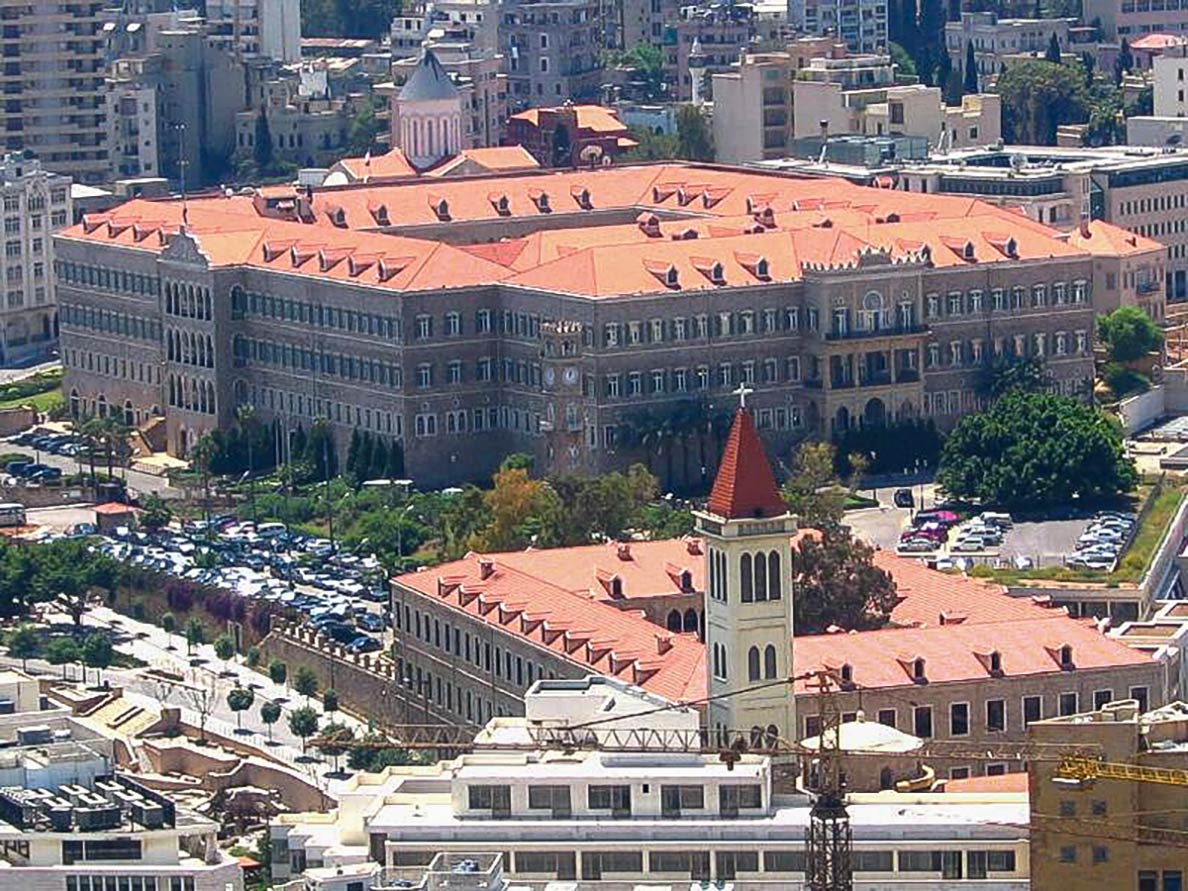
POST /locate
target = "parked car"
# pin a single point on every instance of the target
(969, 543)
(370, 622)
(903, 498)
(364, 644)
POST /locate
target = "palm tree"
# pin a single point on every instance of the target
(202, 454)
(245, 415)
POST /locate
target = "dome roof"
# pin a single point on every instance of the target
(869, 736)
(428, 82)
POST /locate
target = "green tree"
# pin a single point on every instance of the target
(335, 740)
(303, 723)
(224, 647)
(63, 651)
(239, 700)
(1089, 64)
(647, 66)
(905, 65)
(694, 138)
(1052, 53)
(971, 68)
(330, 701)
(270, 713)
(156, 513)
(305, 681)
(169, 626)
(1005, 373)
(838, 584)
(813, 492)
(262, 151)
(1037, 98)
(97, 652)
(1128, 333)
(24, 643)
(364, 131)
(1033, 450)
(253, 657)
(195, 635)
(277, 671)
(653, 146)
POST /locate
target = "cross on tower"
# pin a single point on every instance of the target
(742, 393)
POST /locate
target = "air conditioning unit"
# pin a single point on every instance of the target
(148, 814)
(34, 736)
(90, 819)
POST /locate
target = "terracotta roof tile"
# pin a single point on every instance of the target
(745, 486)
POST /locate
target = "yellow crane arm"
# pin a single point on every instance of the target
(1075, 767)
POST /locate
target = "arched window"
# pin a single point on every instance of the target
(690, 619)
(129, 413)
(760, 577)
(774, 583)
(918, 674)
(753, 664)
(1066, 656)
(773, 734)
(674, 620)
(756, 737)
(745, 579)
(872, 311)
(74, 404)
(770, 666)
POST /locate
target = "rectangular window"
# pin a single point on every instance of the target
(923, 721)
(873, 861)
(888, 717)
(1101, 697)
(995, 715)
(959, 719)
(496, 799)
(1032, 709)
(1139, 694)
(786, 861)
(1068, 704)
(675, 799)
(553, 798)
(616, 799)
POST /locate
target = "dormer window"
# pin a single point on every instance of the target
(649, 224)
(441, 208)
(1066, 658)
(847, 674)
(582, 196)
(686, 581)
(616, 588)
(967, 252)
(1012, 248)
(541, 200)
(671, 278)
(501, 204)
(996, 664)
(379, 213)
(761, 269)
(337, 216)
(918, 674)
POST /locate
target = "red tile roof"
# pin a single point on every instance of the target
(1100, 237)
(745, 486)
(389, 165)
(712, 215)
(1007, 782)
(592, 634)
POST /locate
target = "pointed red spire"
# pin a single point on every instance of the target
(745, 486)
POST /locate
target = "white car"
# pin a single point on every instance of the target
(970, 543)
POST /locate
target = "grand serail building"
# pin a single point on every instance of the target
(557, 312)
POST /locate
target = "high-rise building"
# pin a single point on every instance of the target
(554, 51)
(860, 24)
(52, 80)
(36, 203)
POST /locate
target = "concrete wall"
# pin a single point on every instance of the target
(1141, 411)
(14, 420)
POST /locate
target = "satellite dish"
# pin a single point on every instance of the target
(1017, 161)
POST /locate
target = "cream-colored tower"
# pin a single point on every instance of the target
(748, 599)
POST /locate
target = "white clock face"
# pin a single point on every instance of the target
(549, 376)
(571, 375)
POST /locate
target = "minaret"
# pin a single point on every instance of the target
(748, 605)
(696, 72)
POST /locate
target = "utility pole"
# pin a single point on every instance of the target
(829, 840)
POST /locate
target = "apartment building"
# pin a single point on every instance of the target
(269, 28)
(1129, 273)
(994, 38)
(860, 25)
(36, 204)
(1133, 18)
(70, 819)
(772, 99)
(1115, 832)
(53, 86)
(553, 50)
(716, 35)
(613, 819)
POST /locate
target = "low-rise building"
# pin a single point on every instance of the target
(1123, 829)
(1116, 19)
(775, 98)
(558, 137)
(36, 204)
(994, 38)
(611, 818)
(553, 50)
(1128, 269)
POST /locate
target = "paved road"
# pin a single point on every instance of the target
(139, 483)
(205, 678)
(8, 375)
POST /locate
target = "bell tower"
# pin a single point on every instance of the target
(748, 605)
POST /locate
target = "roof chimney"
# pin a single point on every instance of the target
(486, 568)
(663, 643)
(1084, 225)
(624, 551)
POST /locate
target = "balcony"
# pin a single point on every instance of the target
(907, 375)
(869, 333)
(841, 383)
(874, 379)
